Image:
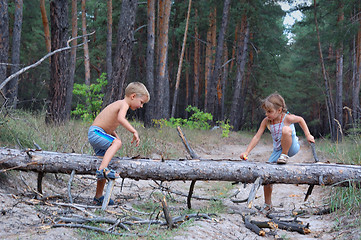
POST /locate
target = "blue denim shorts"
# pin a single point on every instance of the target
(295, 147)
(99, 140)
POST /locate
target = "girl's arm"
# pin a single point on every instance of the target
(255, 139)
(297, 119)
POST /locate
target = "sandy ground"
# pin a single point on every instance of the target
(23, 217)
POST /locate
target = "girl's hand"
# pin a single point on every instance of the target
(244, 156)
(310, 139)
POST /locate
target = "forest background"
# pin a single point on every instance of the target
(219, 56)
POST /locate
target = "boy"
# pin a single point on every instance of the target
(103, 138)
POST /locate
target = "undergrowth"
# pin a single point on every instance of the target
(345, 201)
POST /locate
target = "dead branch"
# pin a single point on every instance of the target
(166, 212)
(42, 59)
(94, 229)
(69, 186)
(252, 194)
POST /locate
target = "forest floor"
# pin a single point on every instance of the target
(23, 217)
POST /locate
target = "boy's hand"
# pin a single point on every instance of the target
(244, 156)
(136, 138)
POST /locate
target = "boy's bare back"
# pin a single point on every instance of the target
(109, 118)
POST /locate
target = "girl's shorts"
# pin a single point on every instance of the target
(295, 147)
(99, 140)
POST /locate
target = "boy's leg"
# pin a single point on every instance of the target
(109, 154)
(286, 140)
(100, 188)
(267, 189)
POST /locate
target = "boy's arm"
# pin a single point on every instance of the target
(125, 123)
(303, 125)
(255, 139)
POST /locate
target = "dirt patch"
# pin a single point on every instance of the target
(23, 217)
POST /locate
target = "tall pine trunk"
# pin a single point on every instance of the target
(210, 54)
(4, 40)
(13, 86)
(330, 108)
(196, 59)
(123, 52)
(150, 106)
(236, 112)
(74, 34)
(181, 61)
(162, 97)
(44, 18)
(109, 65)
(85, 43)
(356, 110)
(339, 76)
(59, 80)
(212, 84)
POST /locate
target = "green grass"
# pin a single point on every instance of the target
(345, 201)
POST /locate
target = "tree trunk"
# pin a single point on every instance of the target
(236, 114)
(44, 18)
(210, 50)
(181, 61)
(330, 108)
(356, 84)
(109, 39)
(212, 84)
(339, 77)
(74, 34)
(224, 79)
(196, 59)
(162, 97)
(150, 106)
(123, 52)
(59, 80)
(85, 41)
(179, 170)
(4, 39)
(13, 86)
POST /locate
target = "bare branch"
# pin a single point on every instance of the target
(41, 60)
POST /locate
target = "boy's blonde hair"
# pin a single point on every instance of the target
(138, 88)
(274, 101)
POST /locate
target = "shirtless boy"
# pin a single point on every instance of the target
(103, 138)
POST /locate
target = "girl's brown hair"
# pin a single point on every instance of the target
(274, 101)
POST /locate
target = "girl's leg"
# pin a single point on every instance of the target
(267, 189)
(286, 140)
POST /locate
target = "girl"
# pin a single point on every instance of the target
(285, 142)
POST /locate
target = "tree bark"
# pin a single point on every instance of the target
(59, 80)
(330, 108)
(13, 85)
(212, 84)
(210, 51)
(179, 170)
(150, 106)
(4, 39)
(85, 41)
(181, 61)
(162, 97)
(236, 112)
(44, 18)
(357, 82)
(109, 39)
(339, 77)
(123, 52)
(74, 35)
(196, 59)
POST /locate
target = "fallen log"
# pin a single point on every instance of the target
(174, 170)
